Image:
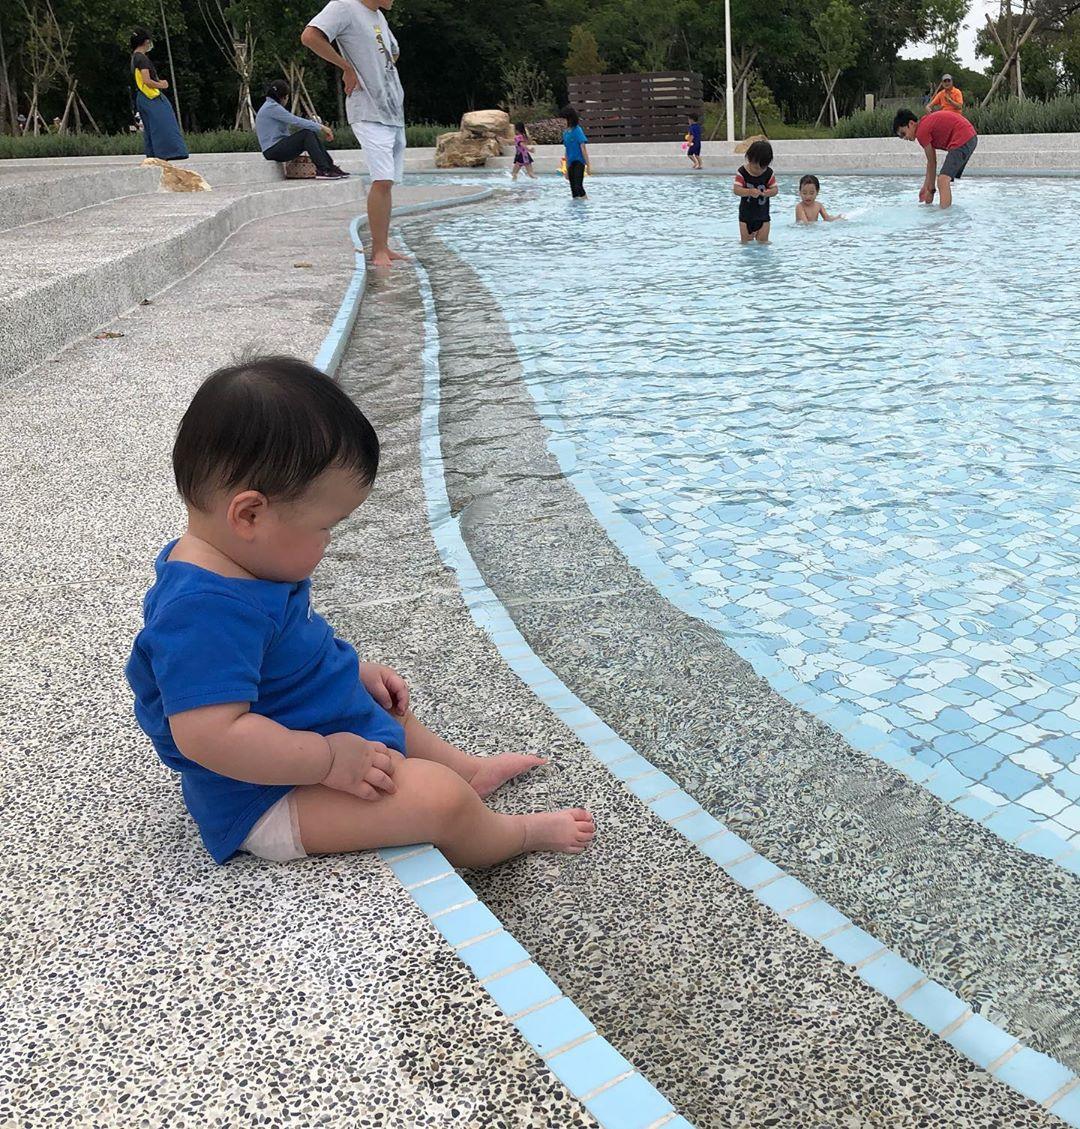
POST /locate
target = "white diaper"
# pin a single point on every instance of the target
(277, 834)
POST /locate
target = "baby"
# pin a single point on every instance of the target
(285, 742)
(809, 209)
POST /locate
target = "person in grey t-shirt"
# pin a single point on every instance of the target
(354, 36)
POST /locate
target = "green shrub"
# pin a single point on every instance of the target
(1007, 115)
(1004, 115)
(423, 136)
(870, 123)
(546, 131)
(214, 141)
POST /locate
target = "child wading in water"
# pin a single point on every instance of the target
(523, 158)
(577, 152)
(286, 743)
(809, 209)
(693, 136)
(755, 185)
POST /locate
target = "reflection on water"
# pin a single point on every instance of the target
(857, 445)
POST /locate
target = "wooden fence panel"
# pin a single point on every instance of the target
(636, 107)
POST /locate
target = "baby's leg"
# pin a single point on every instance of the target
(762, 233)
(485, 774)
(432, 804)
(744, 233)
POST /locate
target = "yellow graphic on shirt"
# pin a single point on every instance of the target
(149, 91)
(382, 47)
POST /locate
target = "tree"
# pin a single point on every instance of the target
(229, 25)
(944, 19)
(527, 92)
(584, 54)
(839, 29)
(40, 61)
(1048, 19)
(1069, 42)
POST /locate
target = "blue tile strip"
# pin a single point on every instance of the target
(586, 1063)
(333, 347)
(942, 1012)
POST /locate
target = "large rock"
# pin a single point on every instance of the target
(461, 151)
(177, 180)
(488, 123)
(747, 142)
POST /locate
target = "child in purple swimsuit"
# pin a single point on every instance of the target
(522, 152)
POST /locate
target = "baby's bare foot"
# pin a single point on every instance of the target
(569, 831)
(493, 772)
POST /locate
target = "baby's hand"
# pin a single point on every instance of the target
(387, 687)
(361, 768)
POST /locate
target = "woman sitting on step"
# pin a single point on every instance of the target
(161, 132)
(283, 136)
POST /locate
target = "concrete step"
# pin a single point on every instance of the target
(35, 190)
(61, 279)
(124, 936)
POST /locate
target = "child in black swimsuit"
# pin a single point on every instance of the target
(755, 185)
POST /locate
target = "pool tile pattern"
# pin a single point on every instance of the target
(890, 534)
(626, 1099)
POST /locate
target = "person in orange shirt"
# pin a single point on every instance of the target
(947, 96)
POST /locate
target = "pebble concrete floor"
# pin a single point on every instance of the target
(153, 986)
(144, 984)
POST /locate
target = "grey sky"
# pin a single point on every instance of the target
(975, 18)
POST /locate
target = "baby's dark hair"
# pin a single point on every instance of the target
(571, 116)
(759, 153)
(810, 179)
(692, 117)
(903, 117)
(138, 37)
(519, 127)
(271, 424)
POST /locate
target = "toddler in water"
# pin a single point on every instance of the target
(286, 743)
(523, 158)
(755, 185)
(809, 209)
(693, 139)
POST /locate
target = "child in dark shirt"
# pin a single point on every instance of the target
(285, 742)
(693, 136)
(755, 185)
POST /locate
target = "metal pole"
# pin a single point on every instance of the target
(729, 96)
(172, 72)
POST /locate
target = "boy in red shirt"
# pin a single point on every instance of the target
(941, 130)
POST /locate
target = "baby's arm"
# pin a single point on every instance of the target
(825, 215)
(800, 213)
(232, 741)
(744, 190)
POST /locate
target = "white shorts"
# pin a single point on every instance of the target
(277, 834)
(384, 148)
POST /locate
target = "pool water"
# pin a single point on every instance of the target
(857, 447)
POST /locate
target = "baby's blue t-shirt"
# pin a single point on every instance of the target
(573, 139)
(210, 639)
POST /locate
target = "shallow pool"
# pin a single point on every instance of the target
(856, 447)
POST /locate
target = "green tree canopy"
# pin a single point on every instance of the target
(584, 54)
